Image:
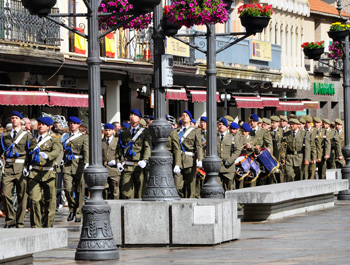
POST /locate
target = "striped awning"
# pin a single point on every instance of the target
(249, 102)
(270, 101)
(59, 99)
(176, 94)
(291, 106)
(311, 104)
(23, 98)
(201, 96)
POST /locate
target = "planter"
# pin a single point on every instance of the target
(254, 24)
(338, 35)
(144, 5)
(39, 7)
(314, 54)
(228, 4)
(171, 28)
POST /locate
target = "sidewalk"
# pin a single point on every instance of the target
(321, 237)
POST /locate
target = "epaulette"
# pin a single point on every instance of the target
(56, 135)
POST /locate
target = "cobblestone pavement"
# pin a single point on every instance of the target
(321, 237)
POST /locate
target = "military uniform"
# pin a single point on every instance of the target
(335, 150)
(132, 180)
(200, 181)
(262, 138)
(312, 136)
(42, 182)
(76, 157)
(340, 163)
(228, 151)
(191, 148)
(276, 136)
(295, 155)
(13, 175)
(324, 150)
(109, 153)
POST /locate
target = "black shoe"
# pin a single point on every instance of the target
(9, 226)
(70, 216)
(77, 220)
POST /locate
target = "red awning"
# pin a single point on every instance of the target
(201, 96)
(176, 94)
(18, 98)
(311, 104)
(270, 102)
(291, 106)
(58, 99)
(249, 102)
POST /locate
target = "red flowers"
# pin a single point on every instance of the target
(312, 45)
(251, 10)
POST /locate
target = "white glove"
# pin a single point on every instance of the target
(25, 172)
(227, 163)
(177, 169)
(120, 167)
(199, 164)
(62, 162)
(86, 165)
(142, 163)
(30, 168)
(111, 163)
(43, 155)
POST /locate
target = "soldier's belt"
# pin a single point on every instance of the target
(294, 153)
(189, 153)
(130, 163)
(14, 160)
(78, 156)
(41, 168)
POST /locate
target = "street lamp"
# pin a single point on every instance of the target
(225, 98)
(96, 239)
(345, 194)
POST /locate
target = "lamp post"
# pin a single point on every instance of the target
(225, 98)
(96, 239)
(345, 194)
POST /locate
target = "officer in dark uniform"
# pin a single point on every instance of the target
(14, 147)
(42, 178)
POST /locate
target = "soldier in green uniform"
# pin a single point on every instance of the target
(199, 177)
(228, 152)
(333, 138)
(324, 147)
(306, 137)
(296, 154)
(76, 149)
(134, 149)
(14, 147)
(109, 156)
(191, 149)
(339, 158)
(310, 169)
(284, 124)
(42, 178)
(276, 135)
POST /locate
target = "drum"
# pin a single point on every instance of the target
(200, 175)
(242, 167)
(268, 162)
(254, 171)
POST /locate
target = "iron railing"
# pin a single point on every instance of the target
(17, 25)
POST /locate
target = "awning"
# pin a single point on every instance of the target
(249, 102)
(201, 96)
(19, 98)
(176, 94)
(291, 106)
(58, 99)
(311, 104)
(270, 102)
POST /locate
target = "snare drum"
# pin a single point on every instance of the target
(254, 171)
(242, 167)
(268, 162)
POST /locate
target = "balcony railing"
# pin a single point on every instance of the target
(17, 25)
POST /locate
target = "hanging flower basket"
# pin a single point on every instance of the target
(228, 4)
(39, 7)
(171, 28)
(144, 5)
(117, 7)
(338, 35)
(254, 24)
(314, 54)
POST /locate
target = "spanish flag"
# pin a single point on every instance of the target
(79, 42)
(110, 45)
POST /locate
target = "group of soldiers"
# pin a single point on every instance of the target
(32, 162)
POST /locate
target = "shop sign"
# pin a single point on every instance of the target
(261, 50)
(324, 89)
(177, 48)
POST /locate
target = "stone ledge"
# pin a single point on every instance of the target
(22, 243)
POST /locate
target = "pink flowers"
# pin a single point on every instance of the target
(121, 6)
(335, 50)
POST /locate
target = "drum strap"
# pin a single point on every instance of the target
(233, 144)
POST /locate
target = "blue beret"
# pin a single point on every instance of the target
(125, 125)
(246, 127)
(254, 117)
(151, 118)
(203, 118)
(194, 121)
(18, 114)
(167, 117)
(136, 112)
(224, 121)
(188, 113)
(234, 125)
(74, 119)
(46, 120)
(109, 126)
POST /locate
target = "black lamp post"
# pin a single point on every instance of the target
(344, 40)
(96, 239)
